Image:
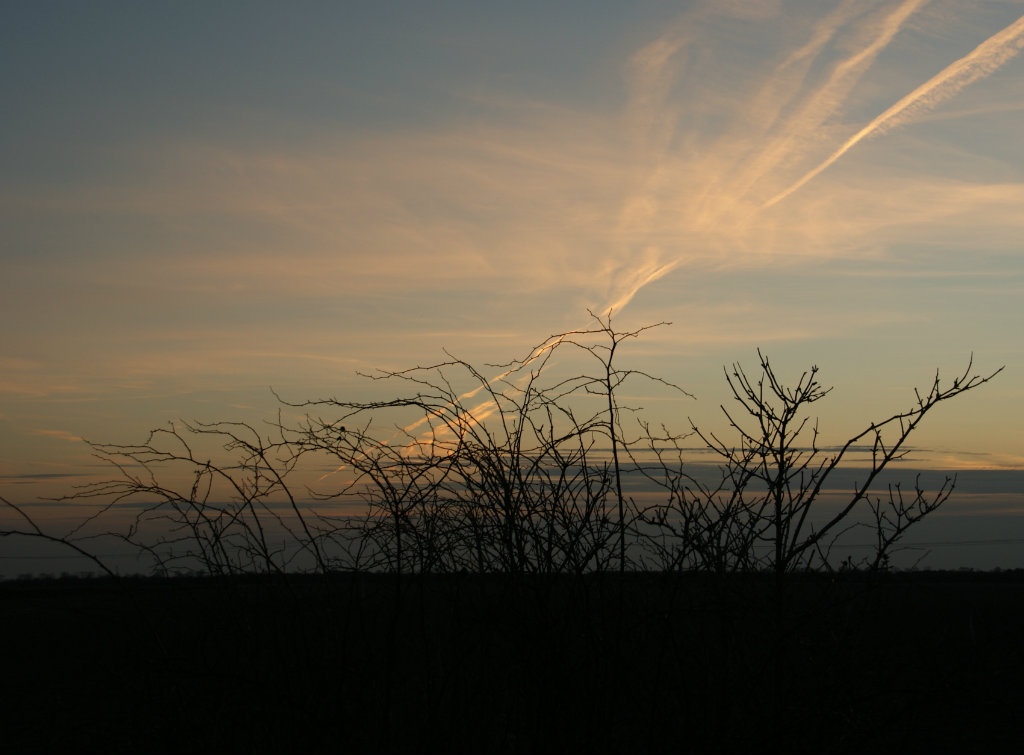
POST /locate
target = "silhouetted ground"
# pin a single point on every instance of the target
(914, 662)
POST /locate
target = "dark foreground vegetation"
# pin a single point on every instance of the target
(901, 662)
(514, 560)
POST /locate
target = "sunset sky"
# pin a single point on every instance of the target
(203, 200)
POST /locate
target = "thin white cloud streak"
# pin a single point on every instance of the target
(534, 206)
(719, 200)
(722, 211)
(525, 203)
(572, 207)
(824, 102)
(60, 434)
(985, 59)
(436, 440)
(987, 462)
(642, 277)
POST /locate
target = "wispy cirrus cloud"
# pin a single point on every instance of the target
(535, 208)
(701, 196)
(986, 58)
(595, 204)
(60, 435)
(789, 119)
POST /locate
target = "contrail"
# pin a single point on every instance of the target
(654, 76)
(469, 419)
(641, 279)
(824, 102)
(983, 60)
(986, 58)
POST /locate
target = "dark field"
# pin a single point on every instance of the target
(910, 662)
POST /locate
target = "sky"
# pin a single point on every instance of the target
(203, 201)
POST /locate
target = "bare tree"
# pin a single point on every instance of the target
(500, 473)
(526, 469)
(762, 511)
(519, 468)
(203, 509)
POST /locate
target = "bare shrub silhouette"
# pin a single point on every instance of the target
(766, 511)
(760, 514)
(459, 568)
(523, 472)
(198, 512)
(519, 473)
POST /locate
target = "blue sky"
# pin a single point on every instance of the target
(203, 200)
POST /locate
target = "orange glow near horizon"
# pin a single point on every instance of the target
(838, 184)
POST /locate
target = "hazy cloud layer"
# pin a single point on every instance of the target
(741, 168)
